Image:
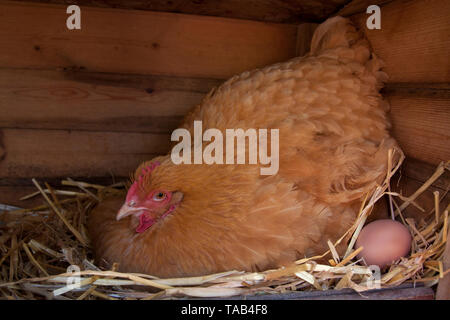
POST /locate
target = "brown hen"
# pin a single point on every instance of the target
(184, 220)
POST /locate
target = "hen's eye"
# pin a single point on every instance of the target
(159, 196)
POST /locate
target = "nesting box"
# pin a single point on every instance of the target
(93, 102)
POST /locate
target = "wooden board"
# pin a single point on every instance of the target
(414, 40)
(139, 42)
(98, 102)
(287, 11)
(443, 289)
(60, 153)
(12, 189)
(402, 292)
(11, 195)
(305, 33)
(422, 171)
(421, 126)
(359, 6)
(408, 186)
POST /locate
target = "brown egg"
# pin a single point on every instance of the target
(384, 241)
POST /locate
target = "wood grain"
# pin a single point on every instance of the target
(359, 6)
(418, 89)
(421, 126)
(147, 82)
(407, 186)
(11, 195)
(443, 289)
(287, 11)
(305, 33)
(421, 171)
(401, 292)
(12, 189)
(62, 153)
(139, 42)
(413, 41)
(98, 102)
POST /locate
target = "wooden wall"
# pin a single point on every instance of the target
(99, 100)
(284, 11)
(94, 102)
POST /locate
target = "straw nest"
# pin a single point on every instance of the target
(45, 253)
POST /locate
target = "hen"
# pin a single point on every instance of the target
(185, 220)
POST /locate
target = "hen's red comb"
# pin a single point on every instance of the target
(148, 169)
(132, 192)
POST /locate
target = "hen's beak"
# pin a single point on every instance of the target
(126, 210)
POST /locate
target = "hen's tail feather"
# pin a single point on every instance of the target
(333, 33)
(338, 38)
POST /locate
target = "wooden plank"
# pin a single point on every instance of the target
(421, 293)
(98, 102)
(286, 11)
(12, 189)
(402, 292)
(413, 41)
(408, 186)
(56, 181)
(139, 42)
(10, 195)
(148, 82)
(422, 171)
(421, 126)
(305, 33)
(423, 90)
(61, 153)
(443, 289)
(359, 6)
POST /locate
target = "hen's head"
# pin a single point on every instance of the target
(146, 201)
